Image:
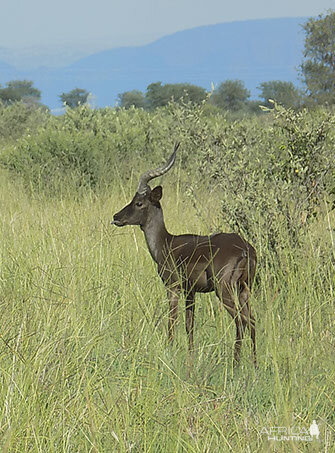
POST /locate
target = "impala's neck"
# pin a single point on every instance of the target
(156, 233)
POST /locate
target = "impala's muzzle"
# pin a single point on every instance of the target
(117, 220)
(117, 223)
(123, 217)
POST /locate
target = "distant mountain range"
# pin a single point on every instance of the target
(254, 51)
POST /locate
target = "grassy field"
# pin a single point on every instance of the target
(84, 361)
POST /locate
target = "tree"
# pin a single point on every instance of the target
(74, 98)
(155, 95)
(318, 68)
(20, 90)
(284, 93)
(231, 95)
(158, 95)
(134, 98)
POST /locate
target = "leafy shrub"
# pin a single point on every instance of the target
(271, 179)
(271, 173)
(52, 159)
(84, 148)
(306, 156)
(19, 118)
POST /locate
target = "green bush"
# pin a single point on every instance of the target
(83, 148)
(272, 177)
(271, 173)
(20, 118)
(53, 159)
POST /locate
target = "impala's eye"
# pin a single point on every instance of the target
(139, 204)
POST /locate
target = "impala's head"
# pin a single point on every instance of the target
(145, 199)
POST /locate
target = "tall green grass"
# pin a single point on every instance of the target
(84, 361)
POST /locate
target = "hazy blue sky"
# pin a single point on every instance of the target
(112, 23)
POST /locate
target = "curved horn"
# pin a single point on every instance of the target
(151, 174)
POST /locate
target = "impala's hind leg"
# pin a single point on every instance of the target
(226, 295)
(189, 324)
(247, 315)
(189, 319)
(240, 329)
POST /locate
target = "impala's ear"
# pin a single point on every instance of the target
(156, 194)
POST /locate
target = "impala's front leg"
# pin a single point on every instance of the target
(173, 295)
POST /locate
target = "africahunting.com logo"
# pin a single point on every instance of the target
(296, 433)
